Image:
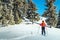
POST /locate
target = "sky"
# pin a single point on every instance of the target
(40, 5)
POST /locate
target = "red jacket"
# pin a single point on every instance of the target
(43, 24)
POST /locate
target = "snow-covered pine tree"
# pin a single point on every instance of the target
(31, 14)
(13, 11)
(3, 11)
(51, 13)
(58, 24)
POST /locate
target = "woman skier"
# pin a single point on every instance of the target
(43, 25)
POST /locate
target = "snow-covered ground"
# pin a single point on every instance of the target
(30, 31)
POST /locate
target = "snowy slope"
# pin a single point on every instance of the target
(28, 32)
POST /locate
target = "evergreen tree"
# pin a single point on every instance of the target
(31, 11)
(58, 24)
(13, 11)
(3, 12)
(51, 13)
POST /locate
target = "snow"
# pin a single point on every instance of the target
(25, 31)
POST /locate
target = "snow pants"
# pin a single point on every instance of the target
(43, 31)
